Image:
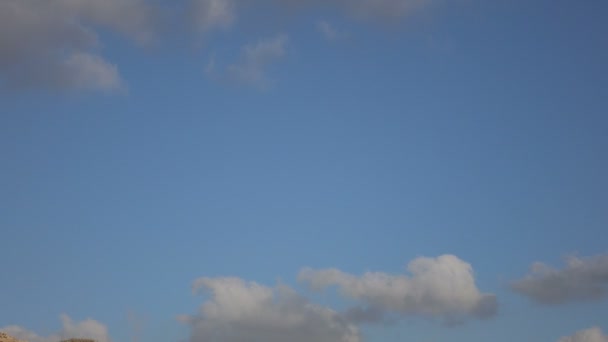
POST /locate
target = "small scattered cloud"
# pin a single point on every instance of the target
(329, 32)
(240, 311)
(89, 71)
(255, 58)
(251, 67)
(209, 15)
(89, 329)
(56, 44)
(582, 279)
(594, 334)
(439, 287)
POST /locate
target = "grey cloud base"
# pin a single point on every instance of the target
(582, 279)
(441, 287)
(239, 311)
(52, 44)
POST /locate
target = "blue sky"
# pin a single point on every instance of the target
(253, 140)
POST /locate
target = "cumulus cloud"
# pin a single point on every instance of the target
(440, 287)
(581, 279)
(255, 58)
(53, 44)
(89, 328)
(589, 335)
(239, 311)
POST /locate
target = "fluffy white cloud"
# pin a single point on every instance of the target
(580, 279)
(239, 311)
(255, 58)
(53, 43)
(589, 335)
(89, 328)
(443, 286)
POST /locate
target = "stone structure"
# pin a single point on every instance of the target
(8, 338)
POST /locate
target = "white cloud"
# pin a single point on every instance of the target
(213, 14)
(589, 335)
(328, 31)
(53, 44)
(580, 279)
(443, 287)
(84, 70)
(88, 328)
(251, 68)
(239, 311)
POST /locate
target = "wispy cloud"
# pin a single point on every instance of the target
(329, 32)
(209, 15)
(89, 329)
(581, 279)
(56, 45)
(251, 67)
(594, 334)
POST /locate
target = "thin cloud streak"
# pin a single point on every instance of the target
(594, 334)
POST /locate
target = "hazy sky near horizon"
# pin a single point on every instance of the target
(265, 171)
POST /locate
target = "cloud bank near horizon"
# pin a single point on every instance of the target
(236, 310)
(438, 287)
(582, 279)
(89, 329)
(239, 311)
(444, 287)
